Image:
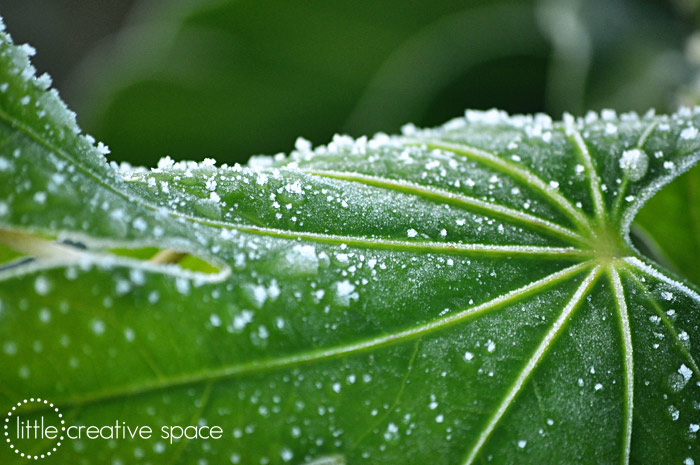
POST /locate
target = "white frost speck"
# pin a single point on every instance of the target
(345, 288)
(490, 345)
(40, 198)
(182, 285)
(634, 164)
(240, 321)
(45, 315)
(685, 372)
(302, 259)
(689, 133)
(42, 286)
(286, 455)
(303, 145)
(98, 327)
(140, 224)
(674, 412)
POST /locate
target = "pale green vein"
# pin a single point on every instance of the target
(587, 160)
(640, 265)
(667, 322)
(317, 237)
(625, 180)
(446, 197)
(456, 248)
(450, 248)
(628, 357)
(532, 363)
(323, 238)
(397, 398)
(513, 170)
(304, 357)
(203, 401)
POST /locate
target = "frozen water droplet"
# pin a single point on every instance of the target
(286, 455)
(345, 290)
(98, 327)
(42, 286)
(634, 164)
(10, 348)
(490, 345)
(689, 133)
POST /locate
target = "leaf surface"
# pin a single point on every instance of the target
(458, 295)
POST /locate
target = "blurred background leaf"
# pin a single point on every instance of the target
(228, 79)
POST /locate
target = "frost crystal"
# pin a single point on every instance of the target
(689, 133)
(634, 164)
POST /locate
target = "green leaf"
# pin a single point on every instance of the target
(465, 294)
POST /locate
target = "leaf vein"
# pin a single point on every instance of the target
(460, 200)
(331, 352)
(519, 173)
(532, 363)
(585, 155)
(628, 356)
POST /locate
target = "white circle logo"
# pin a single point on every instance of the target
(30, 424)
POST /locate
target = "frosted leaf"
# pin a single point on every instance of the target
(374, 300)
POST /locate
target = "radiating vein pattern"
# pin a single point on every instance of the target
(628, 360)
(532, 363)
(592, 174)
(517, 172)
(464, 201)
